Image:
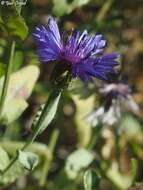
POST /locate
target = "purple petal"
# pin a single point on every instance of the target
(48, 40)
(99, 45)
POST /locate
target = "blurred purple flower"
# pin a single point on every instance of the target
(81, 51)
(116, 90)
(118, 99)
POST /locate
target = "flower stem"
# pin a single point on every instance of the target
(55, 93)
(7, 78)
(101, 15)
(51, 148)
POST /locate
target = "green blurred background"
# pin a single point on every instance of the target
(121, 23)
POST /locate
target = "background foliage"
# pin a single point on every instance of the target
(70, 154)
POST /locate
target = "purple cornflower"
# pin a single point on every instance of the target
(82, 52)
(117, 100)
(116, 90)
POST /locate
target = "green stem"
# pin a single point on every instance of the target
(7, 78)
(36, 130)
(10, 165)
(104, 173)
(53, 140)
(117, 145)
(100, 17)
(95, 136)
(51, 147)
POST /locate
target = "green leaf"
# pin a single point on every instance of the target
(12, 110)
(13, 23)
(29, 160)
(83, 108)
(20, 87)
(91, 180)
(12, 174)
(120, 180)
(18, 60)
(3, 44)
(134, 170)
(4, 159)
(2, 69)
(64, 7)
(17, 170)
(132, 127)
(44, 118)
(78, 160)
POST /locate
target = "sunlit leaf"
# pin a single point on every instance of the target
(29, 160)
(120, 180)
(4, 159)
(12, 174)
(12, 110)
(78, 160)
(20, 87)
(132, 127)
(83, 108)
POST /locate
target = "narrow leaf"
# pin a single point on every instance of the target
(91, 180)
(134, 170)
(46, 113)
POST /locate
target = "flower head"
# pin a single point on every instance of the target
(81, 51)
(121, 93)
(118, 101)
(116, 90)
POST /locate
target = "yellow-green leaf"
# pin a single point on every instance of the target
(20, 87)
